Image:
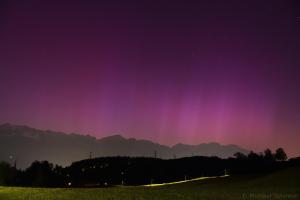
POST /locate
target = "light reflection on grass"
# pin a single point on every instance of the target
(185, 181)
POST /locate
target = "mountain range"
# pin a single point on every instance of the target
(23, 145)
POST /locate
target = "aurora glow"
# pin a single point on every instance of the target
(169, 72)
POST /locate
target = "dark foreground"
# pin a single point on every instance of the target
(282, 184)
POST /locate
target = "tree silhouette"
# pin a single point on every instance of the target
(240, 156)
(268, 155)
(7, 174)
(280, 154)
(42, 174)
(253, 156)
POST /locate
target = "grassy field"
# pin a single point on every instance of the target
(280, 185)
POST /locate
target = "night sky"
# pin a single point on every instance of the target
(168, 71)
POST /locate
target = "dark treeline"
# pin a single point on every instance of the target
(109, 171)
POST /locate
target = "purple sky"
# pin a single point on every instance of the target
(169, 71)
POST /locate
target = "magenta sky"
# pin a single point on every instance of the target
(170, 72)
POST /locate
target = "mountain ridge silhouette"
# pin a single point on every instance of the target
(23, 145)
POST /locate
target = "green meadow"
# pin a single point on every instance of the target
(283, 184)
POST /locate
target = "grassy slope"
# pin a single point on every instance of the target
(286, 182)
